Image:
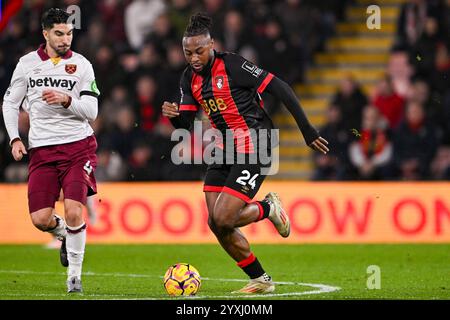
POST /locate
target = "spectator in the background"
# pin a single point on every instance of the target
(372, 152)
(6, 68)
(273, 47)
(388, 102)
(11, 39)
(303, 23)
(128, 67)
(118, 98)
(149, 60)
(179, 13)
(171, 76)
(296, 17)
(90, 42)
(106, 69)
(350, 100)
(440, 167)
(126, 130)
(147, 104)
(298, 20)
(424, 51)
(111, 15)
(234, 35)
(334, 165)
(411, 23)
(143, 164)
(441, 78)
(400, 71)
(216, 9)
(420, 93)
(415, 144)
(162, 35)
(140, 16)
(110, 166)
(446, 117)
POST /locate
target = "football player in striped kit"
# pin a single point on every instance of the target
(228, 87)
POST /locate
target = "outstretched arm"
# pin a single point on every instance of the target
(282, 91)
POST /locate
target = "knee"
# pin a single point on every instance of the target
(42, 221)
(73, 214)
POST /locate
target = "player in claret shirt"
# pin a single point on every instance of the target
(228, 88)
(58, 86)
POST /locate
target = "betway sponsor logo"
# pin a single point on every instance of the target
(50, 82)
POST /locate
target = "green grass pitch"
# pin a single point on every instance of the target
(304, 271)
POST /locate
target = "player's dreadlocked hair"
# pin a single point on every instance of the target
(199, 23)
(54, 16)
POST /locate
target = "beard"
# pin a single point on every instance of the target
(60, 50)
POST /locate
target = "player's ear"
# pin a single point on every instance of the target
(45, 34)
(211, 44)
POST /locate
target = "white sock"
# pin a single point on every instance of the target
(60, 230)
(75, 243)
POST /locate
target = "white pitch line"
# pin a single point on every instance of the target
(321, 288)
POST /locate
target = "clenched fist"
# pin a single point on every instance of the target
(170, 110)
(55, 97)
(18, 150)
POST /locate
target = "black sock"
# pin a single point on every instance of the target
(252, 267)
(265, 208)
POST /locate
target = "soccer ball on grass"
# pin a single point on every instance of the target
(182, 279)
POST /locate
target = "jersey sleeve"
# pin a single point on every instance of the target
(12, 101)
(86, 106)
(88, 83)
(187, 101)
(246, 74)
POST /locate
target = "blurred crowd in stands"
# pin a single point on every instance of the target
(135, 48)
(401, 130)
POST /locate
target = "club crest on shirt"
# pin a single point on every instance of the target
(219, 82)
(71, 68)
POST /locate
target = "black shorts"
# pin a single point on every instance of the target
(240, 180)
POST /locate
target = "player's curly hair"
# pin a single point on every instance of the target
(199, 23)
(54, 16)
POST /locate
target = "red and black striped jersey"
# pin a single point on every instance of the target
(229, 91)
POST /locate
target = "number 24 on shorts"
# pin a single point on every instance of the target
(242, 180)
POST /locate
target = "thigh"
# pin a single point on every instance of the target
(75, 190)
(244, 181)
(43, 187)
(211, 199)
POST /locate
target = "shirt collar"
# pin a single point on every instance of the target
(44, 56)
